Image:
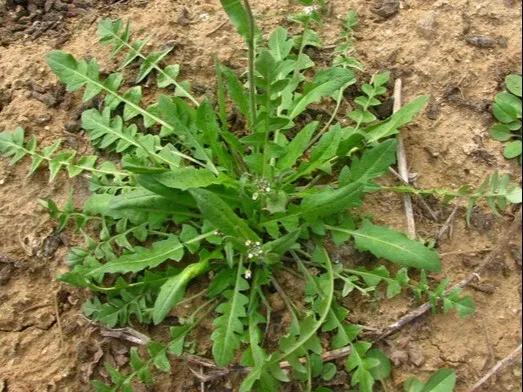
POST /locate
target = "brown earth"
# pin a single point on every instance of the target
(45, 342)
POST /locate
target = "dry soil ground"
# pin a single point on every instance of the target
(45, 342)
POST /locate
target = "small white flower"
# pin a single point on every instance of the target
(248, 274)
(255, 196)
(268, 189)
(310, 9)
(250, 256)
(248, 243)
(257, 243)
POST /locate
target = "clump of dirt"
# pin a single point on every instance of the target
(33, 18)
(458, 52)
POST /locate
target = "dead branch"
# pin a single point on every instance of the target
(403, 167)
(58, 321)
(509, 359)
(129, 334)
(447, 226)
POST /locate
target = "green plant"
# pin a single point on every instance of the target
(444, 380)
(507, 110)
(196, 195)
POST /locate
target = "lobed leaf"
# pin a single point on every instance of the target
(142, 258)
(229, 326)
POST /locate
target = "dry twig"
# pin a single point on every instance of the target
(216, 28)
(513, 356)
(58, 321)
(126, 333)
(447, 226)
(403, 167)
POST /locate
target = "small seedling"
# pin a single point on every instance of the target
(507, 110)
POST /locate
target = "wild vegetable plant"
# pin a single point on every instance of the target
(233, 192)
(507, 110)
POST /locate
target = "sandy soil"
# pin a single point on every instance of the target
(45, 342)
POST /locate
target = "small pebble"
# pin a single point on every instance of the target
(386, 8)
(46, 98)
(427, 26)
(481, 41)
(72, 126)
(416, 356)
(399, 357)
(42, 119)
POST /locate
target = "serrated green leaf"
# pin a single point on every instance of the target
(362, 116)
(143, 258)
(75, 74)
(373, 163)
(101, 387)
(236, 91)
(185, 178)
(178, 335)
(167, 78)
(381, 78)
(149, 63)
(238, 16)
(222, 216)
(395, 246)
(279, 44)
(12, 144)
(173, 290)
(403, 116)
(228, 326)
(326, 83)
(158, 354)
(310, 325)
(331, 201)
(297, 146)
(134, 95)
(357, 363)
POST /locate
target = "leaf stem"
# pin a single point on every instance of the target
(68, 163)
(251, 55)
